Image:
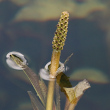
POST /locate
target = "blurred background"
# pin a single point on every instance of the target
(28, 26)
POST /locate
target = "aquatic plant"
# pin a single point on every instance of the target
(52, 72)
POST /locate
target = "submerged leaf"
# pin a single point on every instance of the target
(35, 102)
(34, 79)
(63, 81)
(57, 97)
(43, 89)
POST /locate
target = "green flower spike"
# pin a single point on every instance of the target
(61, 32)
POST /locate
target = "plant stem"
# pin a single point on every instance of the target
(49, 105)
(55, 61)
(53, 68)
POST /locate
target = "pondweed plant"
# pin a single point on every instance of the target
(52, 72)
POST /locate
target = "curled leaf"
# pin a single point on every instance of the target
(76, 92)
(19, 57)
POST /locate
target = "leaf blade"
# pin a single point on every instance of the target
(35, 102)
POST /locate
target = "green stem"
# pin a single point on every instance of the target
(53, 68)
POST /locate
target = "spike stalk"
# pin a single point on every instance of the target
(58, 43)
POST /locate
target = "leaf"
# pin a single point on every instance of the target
(63, 81)
(57, 97)
(43, 89)
(35, 102)
(77, 91)
(34, 79)
(91, 74)
(74, 94)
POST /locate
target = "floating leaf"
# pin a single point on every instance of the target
(21, 2)
(93, 75)
(34, 10)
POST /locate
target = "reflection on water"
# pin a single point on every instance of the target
(88, 38)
